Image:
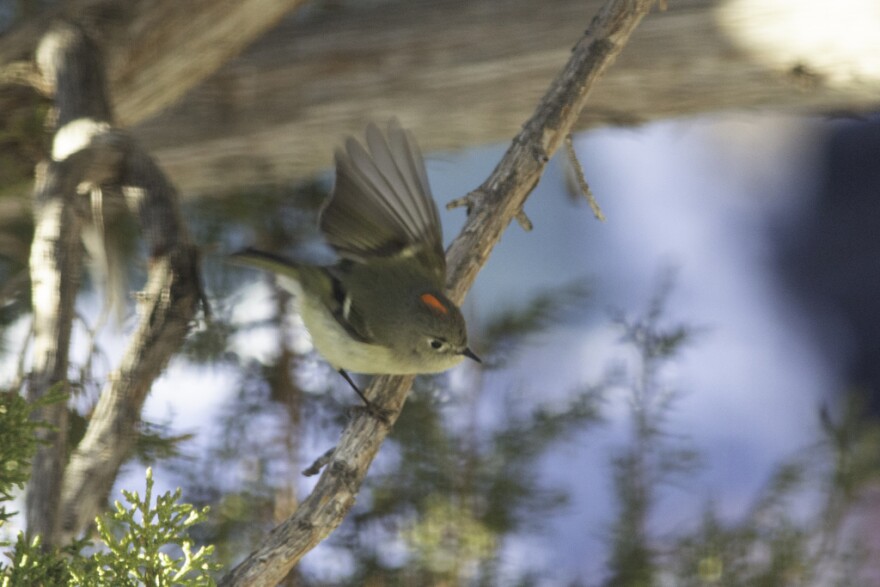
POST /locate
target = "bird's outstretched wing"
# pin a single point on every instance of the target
(381, 203)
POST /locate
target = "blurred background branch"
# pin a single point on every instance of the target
(91, 160)
(233, 94)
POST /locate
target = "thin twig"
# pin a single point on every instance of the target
(582, 181)
(20, 373)
(24, 73)
(467, 202)
(524, 221)
(319, 463)
(92, 342)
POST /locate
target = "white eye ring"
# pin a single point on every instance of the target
(436, 344)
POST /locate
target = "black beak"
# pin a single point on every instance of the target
(470, 355)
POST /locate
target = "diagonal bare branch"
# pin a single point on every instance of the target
(168, 304)
(491, 209)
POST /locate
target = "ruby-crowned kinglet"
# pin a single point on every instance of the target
(380, 308)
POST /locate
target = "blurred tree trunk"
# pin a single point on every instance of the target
(91, 165)
(71, 67)
(459, 73)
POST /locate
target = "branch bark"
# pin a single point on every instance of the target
(491, 209)
(90, 158)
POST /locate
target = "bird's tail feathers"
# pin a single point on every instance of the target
(251, 257)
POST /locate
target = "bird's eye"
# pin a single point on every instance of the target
(436, 344)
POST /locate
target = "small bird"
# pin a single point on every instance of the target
(380, 308)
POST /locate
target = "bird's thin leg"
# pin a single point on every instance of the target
(379, 413)
(348, 378)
